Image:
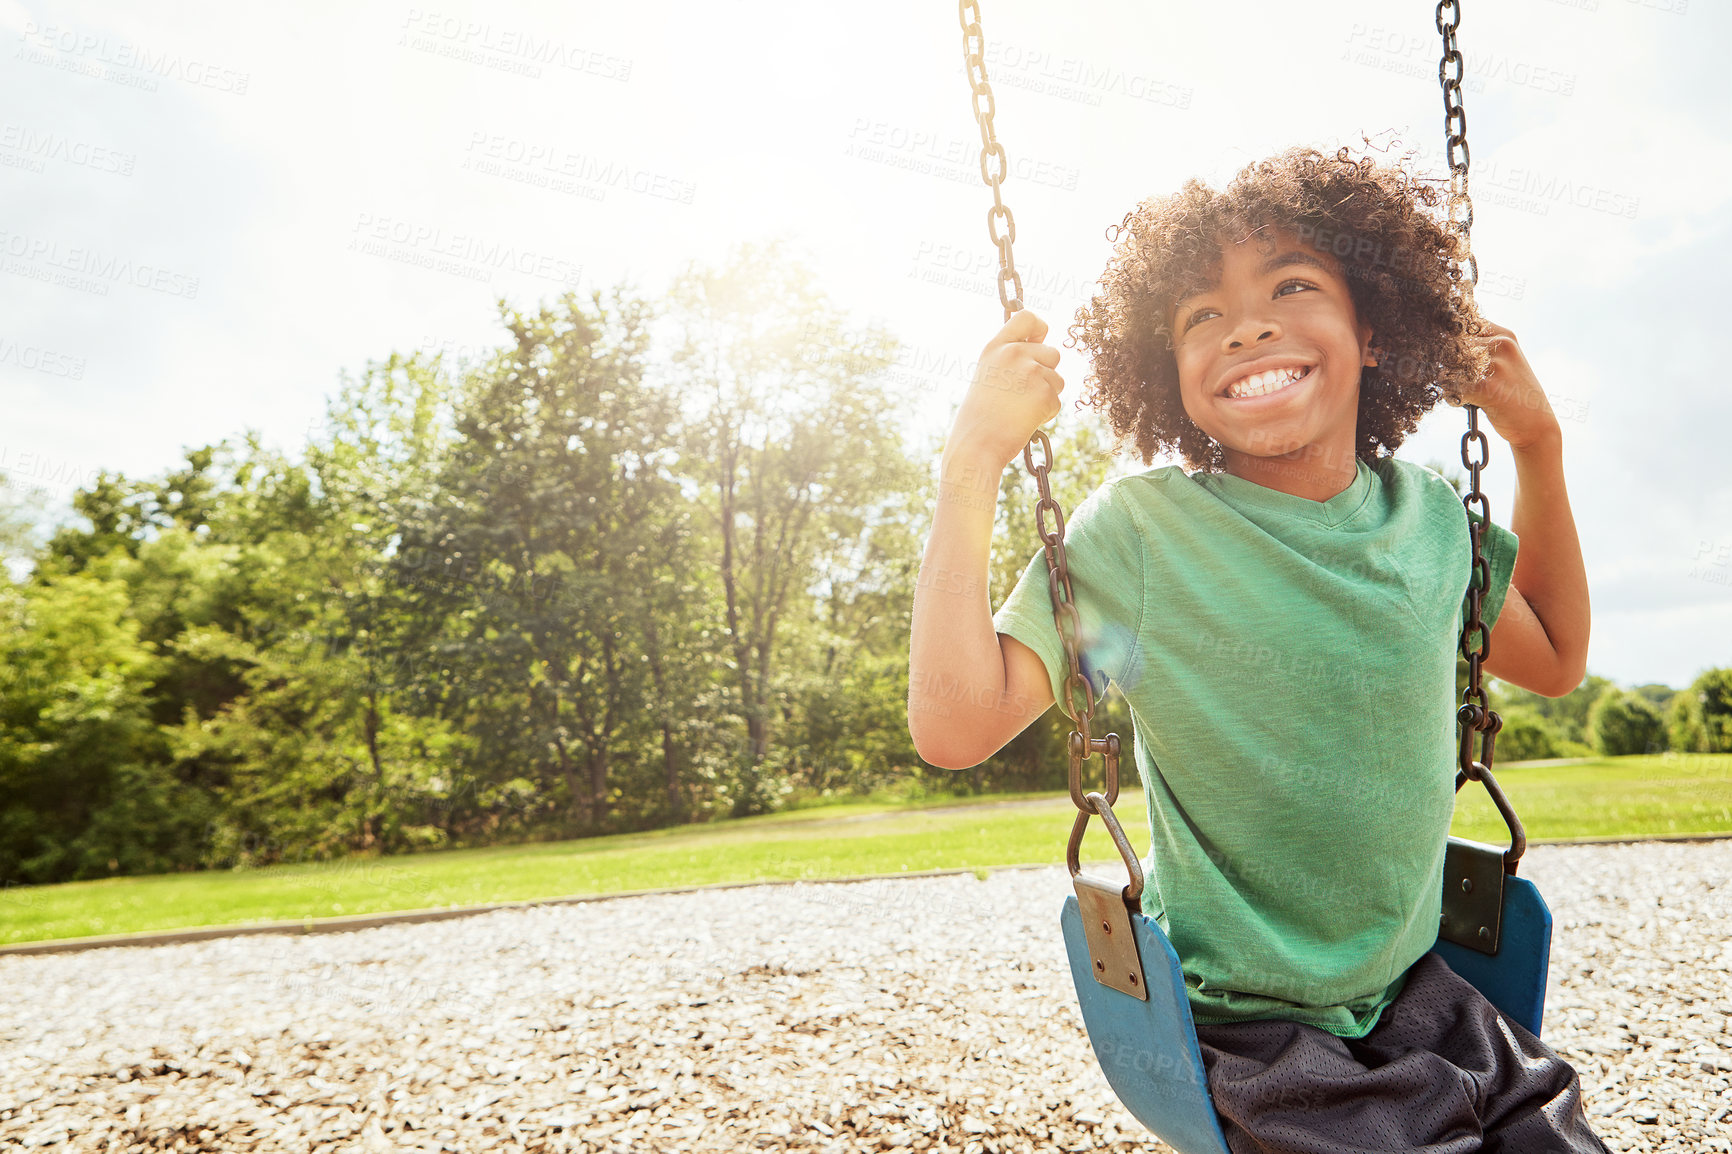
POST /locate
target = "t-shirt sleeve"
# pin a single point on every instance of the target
(1500, 546)
(1104, 556)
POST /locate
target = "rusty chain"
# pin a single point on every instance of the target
(1078, 691)
(974, 54)
(1475, 715)
(1455, 135)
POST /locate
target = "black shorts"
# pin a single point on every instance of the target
(1442, 1072)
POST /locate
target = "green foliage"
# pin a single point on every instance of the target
(20, 509)
(84, 788)
(800, 477)
(1623, 723)
(1526, 736)
(587, 582)
(1656, 694)
(1699, 719)
(1685, 730)
(1568, 715)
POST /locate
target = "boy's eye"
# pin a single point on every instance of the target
(1199, 315)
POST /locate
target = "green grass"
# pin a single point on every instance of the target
(1634, 796)
(1606, 797)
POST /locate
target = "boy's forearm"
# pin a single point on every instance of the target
(1549, 570)
(956, 675)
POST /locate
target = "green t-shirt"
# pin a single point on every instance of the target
(1290, 670)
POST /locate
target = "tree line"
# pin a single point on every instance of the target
(647, 562)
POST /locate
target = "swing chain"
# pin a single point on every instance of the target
(1078, 691)
(974, 53)
(1449, 74)
(1069, 623)
(1475, 714)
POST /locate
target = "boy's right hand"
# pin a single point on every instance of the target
(1015, 391)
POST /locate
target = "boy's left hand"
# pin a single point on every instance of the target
(1510, 394)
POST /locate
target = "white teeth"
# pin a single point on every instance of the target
(1265, 382)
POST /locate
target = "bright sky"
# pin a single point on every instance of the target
(211, 211)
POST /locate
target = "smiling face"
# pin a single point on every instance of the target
(1269, 359)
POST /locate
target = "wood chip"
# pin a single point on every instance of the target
(931, 1015)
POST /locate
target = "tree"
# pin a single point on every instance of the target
(1700, 717)
(20, 508)
(376, 460)
(1526, 736)
(1568, 714)
(84, 787)
(785, 435)
(1656, 694)
(1623, 723)
(539, 561)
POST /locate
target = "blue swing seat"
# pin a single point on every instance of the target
(1148, 1048)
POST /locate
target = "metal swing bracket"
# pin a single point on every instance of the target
(1474, 872)
(1106, 905)
(1472, 895)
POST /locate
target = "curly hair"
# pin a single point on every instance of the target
(1403, 267)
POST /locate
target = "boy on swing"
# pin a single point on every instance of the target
(1283, 623)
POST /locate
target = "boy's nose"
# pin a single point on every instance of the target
(1251, 333)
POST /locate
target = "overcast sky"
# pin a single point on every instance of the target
(207, 213)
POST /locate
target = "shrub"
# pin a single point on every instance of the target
(1684, 729)
(1623, 723)
(1525, 736)
(1700, 717)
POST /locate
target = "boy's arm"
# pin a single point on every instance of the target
(967, 695)
(1540, 641)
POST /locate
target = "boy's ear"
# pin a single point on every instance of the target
(1373, 354)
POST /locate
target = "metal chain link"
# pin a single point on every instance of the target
(1475, 715)
(974, 54)
(1455, 135)
(1078, 692)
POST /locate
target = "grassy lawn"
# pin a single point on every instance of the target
(1629, 796)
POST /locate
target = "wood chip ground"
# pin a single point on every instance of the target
(931, 1014)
